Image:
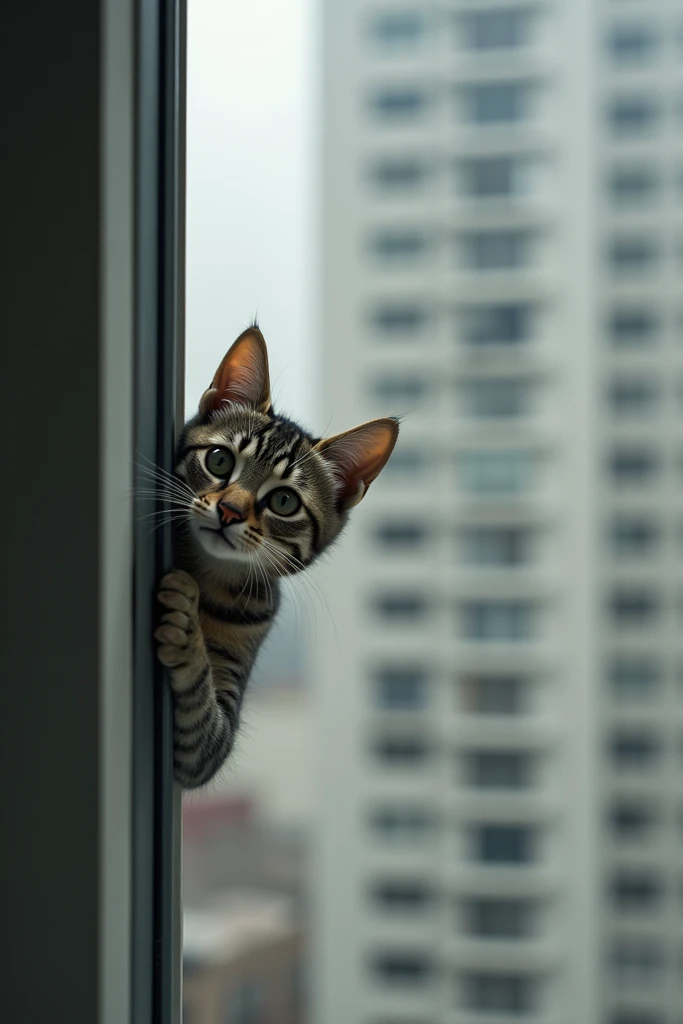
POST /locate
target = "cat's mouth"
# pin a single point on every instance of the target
(218, 533)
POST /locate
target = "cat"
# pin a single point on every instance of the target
(259, 499)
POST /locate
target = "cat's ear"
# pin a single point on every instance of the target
(242, 377)
(358, 456)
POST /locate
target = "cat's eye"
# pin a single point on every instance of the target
(220, 462)
(283, 501)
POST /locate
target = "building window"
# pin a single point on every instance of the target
(406, 463)
(399, 320)
(495, 29)
(496, 324)
(496, 102)
(402, 968)
(408, 387)
(628, 255)
(399, 246)
(633, 185)
(397, 606)
(495, 545)
(631, 466)
(398, 31)
(400, 104)
(401, 752)
(496, 472)
(632, 396)
(634, 748)
(503, 844)
(498, 620)
(401, 895)
(633, 326)
(632, 116)
(399, 688)
(498, 918)
(636, 1017)
(631, 820)
(633, 607)
(397, 536)
(494, 177)
(636, 890)
(402, 825)
(632, 44)
(496, 397)
(633, 536)
(399, 174)
(499, 993)
(496, 250)
(636, 959)
(498, 769)
(493, 695)
(635, 677)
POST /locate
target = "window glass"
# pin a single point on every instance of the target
(496, 397)
(632, 44)
(400, 751)
(500, 993)
(399, 246)
(495, 324)
(635, 677)
(633, 535)
(633, 326)
(499, 918)
(401, 606)
(399, 174)
(633, 395)
(633, 185)
(637, 890)
(631, 820)
(494, 177)
(496, 472)
(632, 116)
(507, 28)
(399, 319)
(402, 825)
(401, 895)
(492, 694)
(402, 968)
(407, 387)
(630, 466)
(633, 747)
(497, 102)
(498, 769)
(498, 620)
(630, 254)
(504, 844)
(401, 535)
(495, 250)
(398, 31)
(406, 462)
(636, 958)
(400, 687)
(399, 103)
(633, 607)
(494, 545)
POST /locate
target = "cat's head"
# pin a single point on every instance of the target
(263, 491)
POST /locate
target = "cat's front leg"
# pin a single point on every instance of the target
(204, 720)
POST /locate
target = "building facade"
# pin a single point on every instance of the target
(502, 233)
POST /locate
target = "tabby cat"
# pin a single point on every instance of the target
(259, 499)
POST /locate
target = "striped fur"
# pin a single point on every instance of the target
(234, 545)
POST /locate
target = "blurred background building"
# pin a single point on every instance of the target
(457, 793)
(502, 232)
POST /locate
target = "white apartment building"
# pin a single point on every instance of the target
(502, 826)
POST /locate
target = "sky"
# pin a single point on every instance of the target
(251, 192)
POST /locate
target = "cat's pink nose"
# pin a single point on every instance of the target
(230, 513)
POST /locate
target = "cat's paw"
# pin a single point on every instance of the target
(179, 635)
